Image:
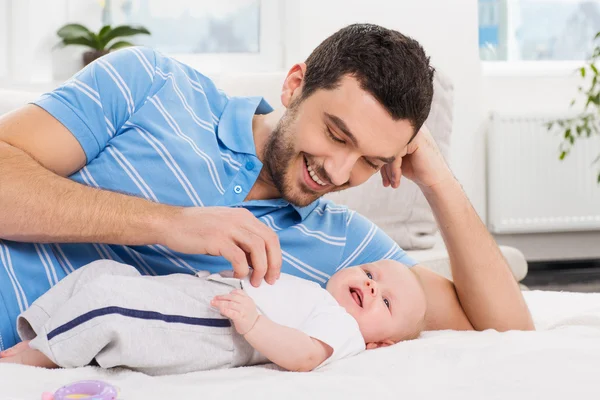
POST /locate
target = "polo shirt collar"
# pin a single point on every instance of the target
(305, 211)
(235, 125)
(235, 131)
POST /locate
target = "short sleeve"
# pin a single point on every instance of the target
(366, 242)
(332, 325)
(97, 101)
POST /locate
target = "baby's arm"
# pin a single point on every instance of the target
(287, 347)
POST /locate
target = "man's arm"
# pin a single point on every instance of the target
(444, 310)
(483, 281)
(39, 204)
(484, 294)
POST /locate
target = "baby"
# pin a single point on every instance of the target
(107, 314)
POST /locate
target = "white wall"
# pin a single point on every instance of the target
(28, 38)
(4, 29)
(448, 31)
(32, 36)
(527, 93)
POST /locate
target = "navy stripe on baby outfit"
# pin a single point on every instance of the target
(149, 315)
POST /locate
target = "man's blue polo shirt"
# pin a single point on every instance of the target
(158, 129)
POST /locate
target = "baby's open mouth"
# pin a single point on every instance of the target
(357, 296)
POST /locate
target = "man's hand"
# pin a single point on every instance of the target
(233, 233)
(422, 164)
(238, 307)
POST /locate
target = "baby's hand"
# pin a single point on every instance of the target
(238, 307)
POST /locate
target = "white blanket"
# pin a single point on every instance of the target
(559, 361)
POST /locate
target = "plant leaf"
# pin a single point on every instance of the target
(73, 30)
(593, 67)
(598, 178)
(105, 29)
(123, 30)
(120, 45)
(83, 41)
(563, 154)
(582, 70)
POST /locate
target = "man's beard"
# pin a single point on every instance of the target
(279, 154)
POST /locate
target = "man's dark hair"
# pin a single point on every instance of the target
(387, 64)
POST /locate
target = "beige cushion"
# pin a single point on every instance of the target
(437, 260)
(403, 213)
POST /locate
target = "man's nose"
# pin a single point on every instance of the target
(339, 169)
(371, 287)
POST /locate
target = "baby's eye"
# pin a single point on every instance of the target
(369, 275)
(387, 303)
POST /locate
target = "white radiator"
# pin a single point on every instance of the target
(529, 189)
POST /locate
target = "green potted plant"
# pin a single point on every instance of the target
(587, 122)
(101, 43)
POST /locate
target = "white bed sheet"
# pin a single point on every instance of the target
(559, 361)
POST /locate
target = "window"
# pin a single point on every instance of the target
(536, 30)
(210, 35)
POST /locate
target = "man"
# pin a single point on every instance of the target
(142, 160)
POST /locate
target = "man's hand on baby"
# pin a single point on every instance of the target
(233, 233)
(238, 307)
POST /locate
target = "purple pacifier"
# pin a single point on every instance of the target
(88, 390)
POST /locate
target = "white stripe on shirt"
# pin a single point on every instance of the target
(303, 264)
(124, 90)
(360, 248)
(132, 173)
(199, 121)
(320, 236)
(299, 268)
(212, 168)
(143, 60)
(170, 162)
(19, 293)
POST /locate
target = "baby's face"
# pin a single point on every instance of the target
(384, 297)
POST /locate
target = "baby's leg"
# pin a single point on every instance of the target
(28, 356)
(32, 319)
(149, 325)
(16, 349)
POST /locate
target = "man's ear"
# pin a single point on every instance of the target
(383, 343)
(292, 86)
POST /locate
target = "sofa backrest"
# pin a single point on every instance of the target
(13, 99)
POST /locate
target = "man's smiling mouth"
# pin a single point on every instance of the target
(313, 175)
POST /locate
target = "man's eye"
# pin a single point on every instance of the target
(369, 275)
(370, 164)
(387, 303)
(333, 137)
